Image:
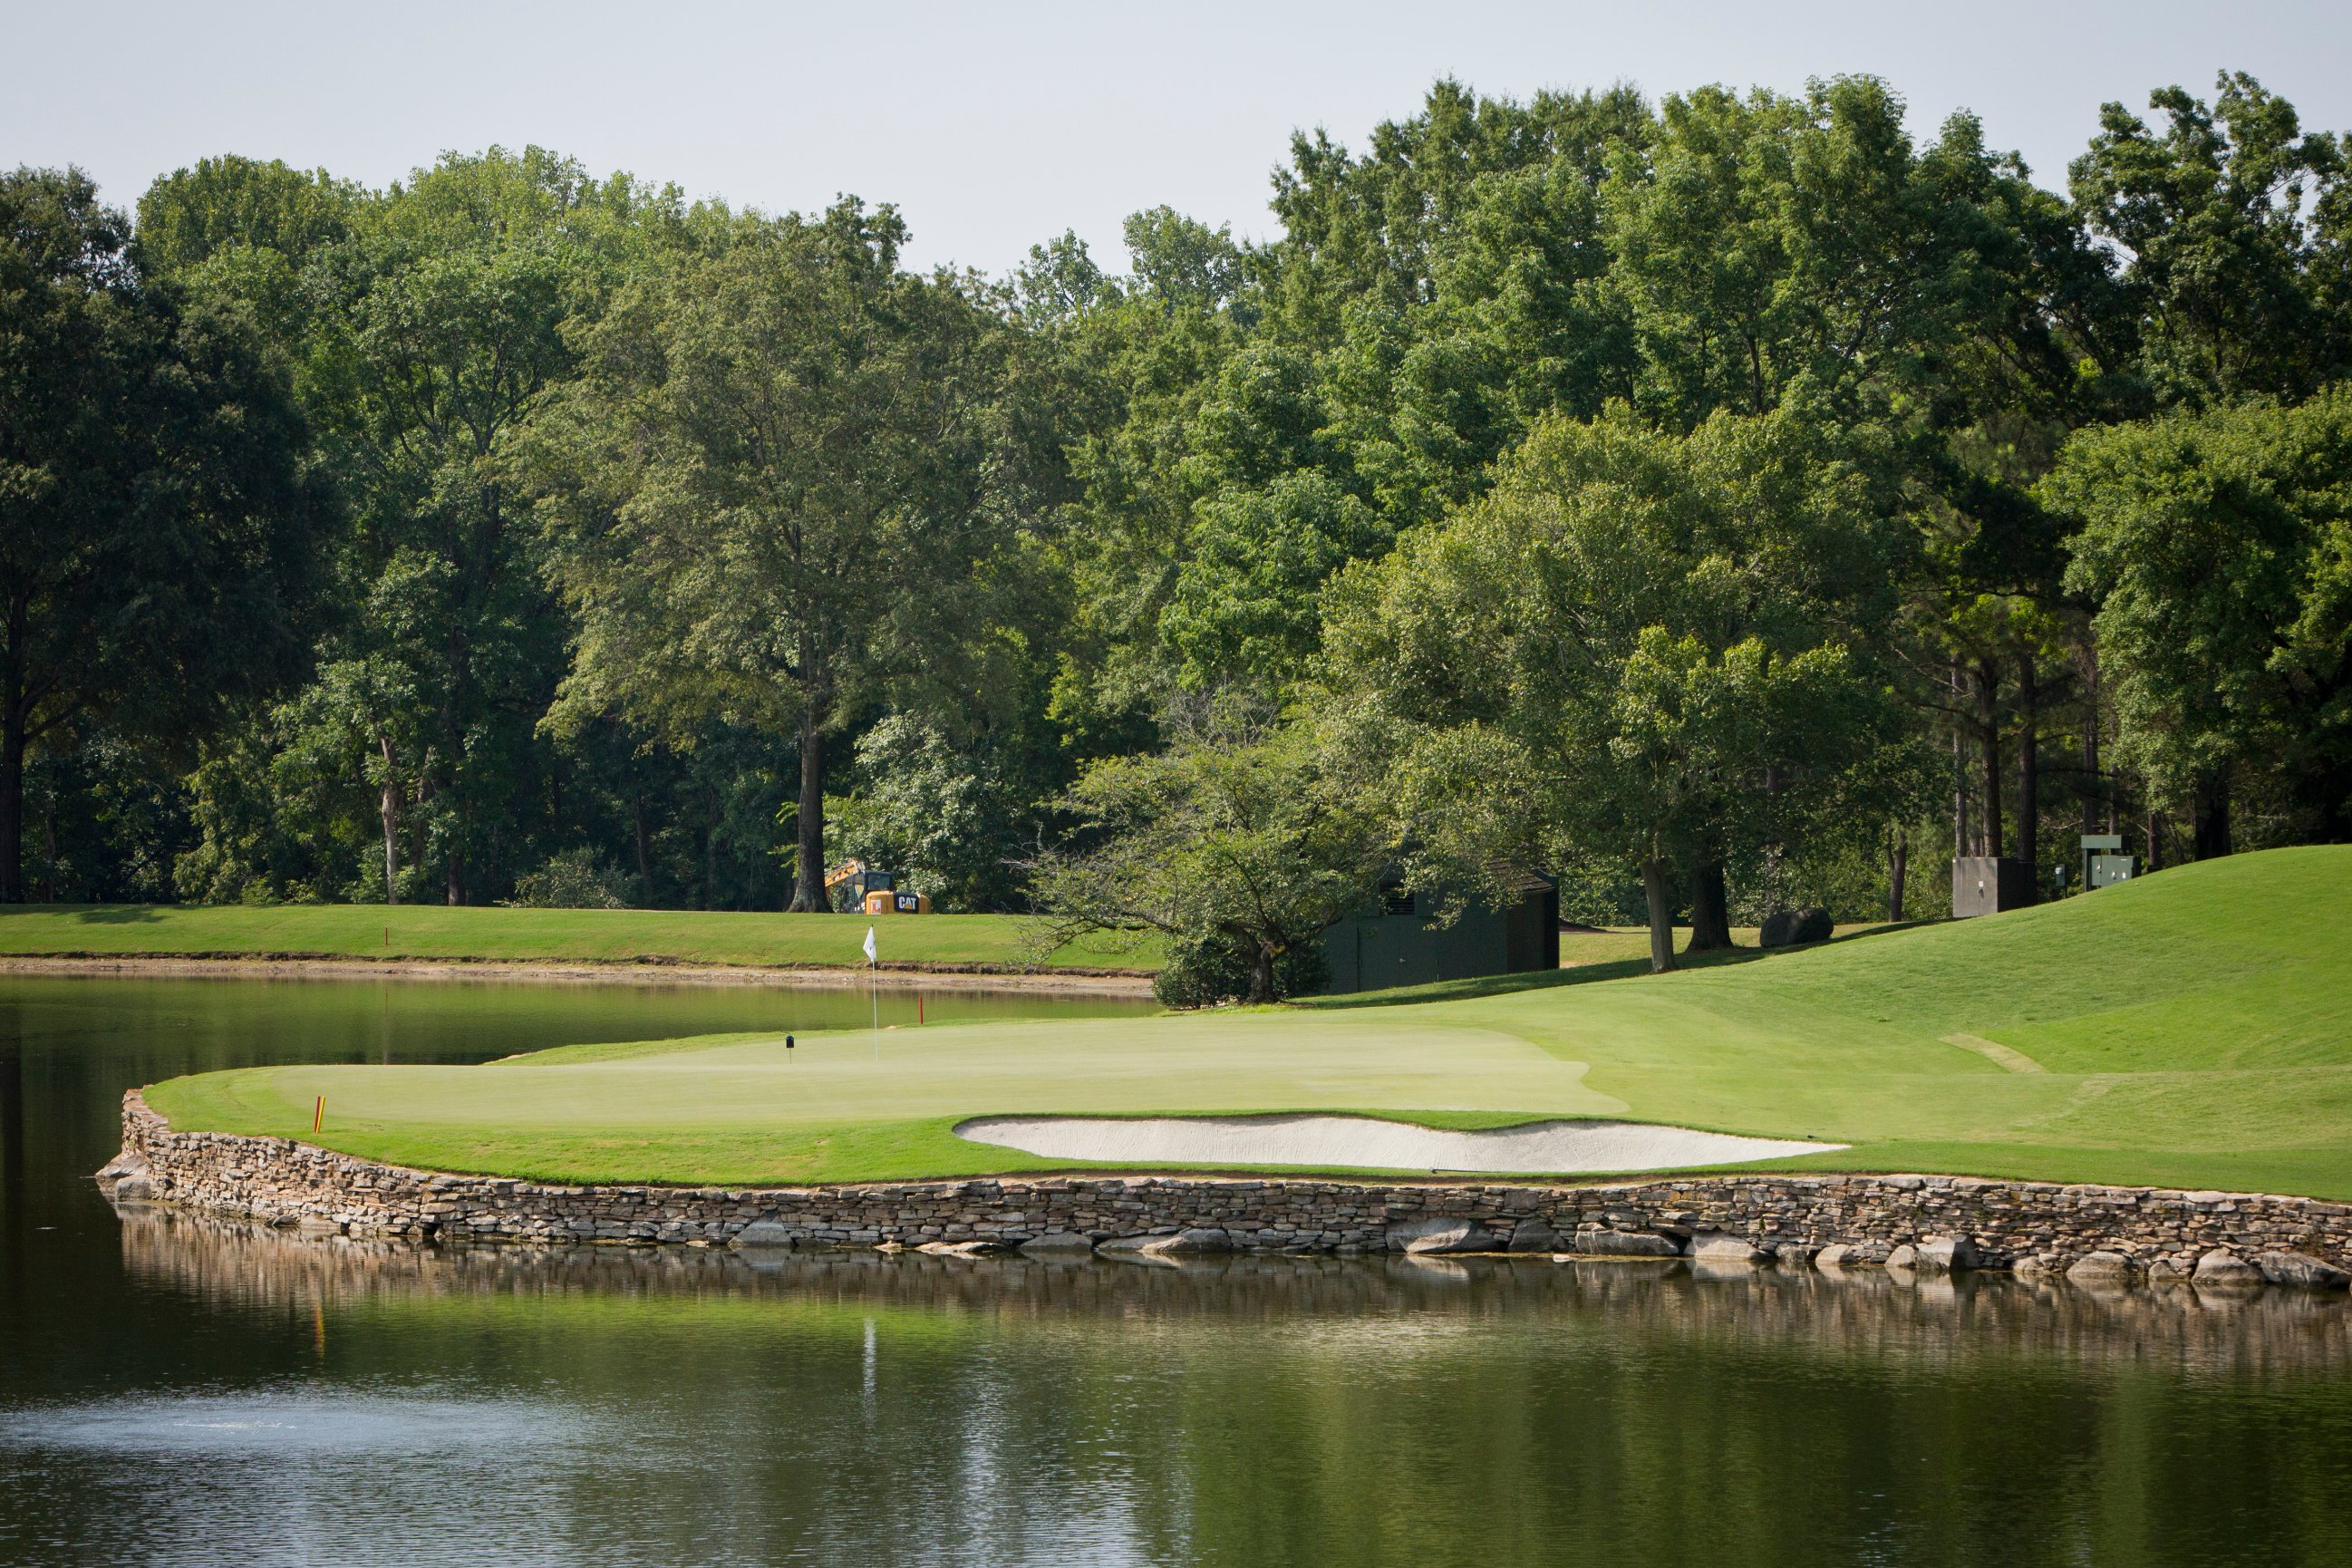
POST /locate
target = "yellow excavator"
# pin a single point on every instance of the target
(876, 892)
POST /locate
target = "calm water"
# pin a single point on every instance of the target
(178, 1391)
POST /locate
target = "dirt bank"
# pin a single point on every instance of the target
(582, 971)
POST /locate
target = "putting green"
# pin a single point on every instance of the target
(2193, 1029)
(747, 1108)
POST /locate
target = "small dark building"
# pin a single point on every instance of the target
(1982, 885)
(1399, 942)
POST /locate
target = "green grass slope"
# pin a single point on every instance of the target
(2191, 1030)
(432, 931)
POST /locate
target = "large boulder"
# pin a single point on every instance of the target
(1533, 1235)
(1194, 1242)
(1058, 1244)
(1787, 928)
(1200, 1239)
(2302, 1269)
(127, 1163)
(1438, 1234)
(1596, 1242)
(763, 1235)
(2223, 1267)
(2102, 1268)
(126, 1178)
(1947, 1254)
(1720, 1248)
(1852, 1255)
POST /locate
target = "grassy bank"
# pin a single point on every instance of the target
(2190, 1029)
(437, 932)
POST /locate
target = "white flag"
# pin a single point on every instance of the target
(871, 957)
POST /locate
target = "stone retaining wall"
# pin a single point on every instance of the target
(283, 1182)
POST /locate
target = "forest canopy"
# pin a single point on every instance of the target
(1720, 504)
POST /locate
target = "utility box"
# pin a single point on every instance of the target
(1983, 885)
(2102, 864)
(2107, 871)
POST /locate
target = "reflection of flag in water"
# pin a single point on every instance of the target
(871, 957)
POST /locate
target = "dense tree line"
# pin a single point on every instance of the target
(1722, 503)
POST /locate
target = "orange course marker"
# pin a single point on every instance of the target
(318, 1113)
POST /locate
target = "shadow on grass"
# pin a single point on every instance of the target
(1581, 974)
(90, 914)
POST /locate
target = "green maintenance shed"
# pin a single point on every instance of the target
(1399, 941)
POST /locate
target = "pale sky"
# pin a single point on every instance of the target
(996, 126)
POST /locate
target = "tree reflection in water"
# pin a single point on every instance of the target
(696, 1406)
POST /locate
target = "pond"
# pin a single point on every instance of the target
(176, 1390)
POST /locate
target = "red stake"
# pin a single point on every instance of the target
(918, 1006)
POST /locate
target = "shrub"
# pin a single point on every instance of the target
(1203, 971)
(571, 880)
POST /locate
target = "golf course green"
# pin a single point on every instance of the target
(2192, 1029)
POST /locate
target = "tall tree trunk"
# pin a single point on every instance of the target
(388, 808)
(637, 833)
(2155, 833)
(1988, 720)
(1898, 866)
(388, 805)
(2213, 813)
(1710, 910)
(1261, 972)
(1960, 841)
(12, 804)
(808, 875)
(2094, 788)
(455, 878)
(2029, 764)
(1661, 915)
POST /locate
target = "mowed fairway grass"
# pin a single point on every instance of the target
(2193, 1028)
(553, 936)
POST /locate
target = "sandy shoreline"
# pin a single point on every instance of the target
(578, 971)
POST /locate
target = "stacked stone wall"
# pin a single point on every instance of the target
(283, 1182)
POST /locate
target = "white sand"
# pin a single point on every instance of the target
(1539, 1147)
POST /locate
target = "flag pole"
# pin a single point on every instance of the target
(873, 964)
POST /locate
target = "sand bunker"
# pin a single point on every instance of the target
(1545, 1147)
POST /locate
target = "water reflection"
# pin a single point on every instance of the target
(494, 1405)
(1403, 1304)
(297, 1423)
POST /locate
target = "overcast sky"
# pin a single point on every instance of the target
(995, 126)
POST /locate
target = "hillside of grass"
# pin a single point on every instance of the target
(437, 932)
(2193, 1028)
